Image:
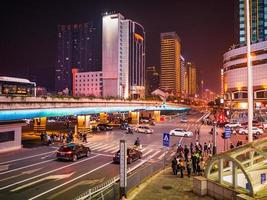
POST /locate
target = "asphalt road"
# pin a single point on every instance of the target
(34, 173)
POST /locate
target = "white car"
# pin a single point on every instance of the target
(181, 132)
(184, 120)
(143, 120)
(255, 131)
(144, 129)
(233, 125)
(51, 121)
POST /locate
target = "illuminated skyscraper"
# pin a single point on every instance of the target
(123, 57)
(258, 16)
(170, 76)
(192, 79)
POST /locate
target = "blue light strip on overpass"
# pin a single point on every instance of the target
(8, 115)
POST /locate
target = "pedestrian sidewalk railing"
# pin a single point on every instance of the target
(135, 176)
(99, 188)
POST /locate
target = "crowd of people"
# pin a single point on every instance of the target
(59, 137)
(191, 158)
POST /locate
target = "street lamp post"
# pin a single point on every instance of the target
(249, 75)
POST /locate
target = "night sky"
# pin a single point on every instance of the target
(207, 29)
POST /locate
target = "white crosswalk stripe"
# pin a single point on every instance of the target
(105, 147)
(101, 146)
(112, 149)
(150, 150)
(161, 156)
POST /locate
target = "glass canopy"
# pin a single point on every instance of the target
(243, 169)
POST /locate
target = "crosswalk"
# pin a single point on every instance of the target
(190, 124)
(111, 148)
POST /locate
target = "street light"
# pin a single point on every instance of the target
(249, 74)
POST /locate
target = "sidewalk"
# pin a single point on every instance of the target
(165, 186)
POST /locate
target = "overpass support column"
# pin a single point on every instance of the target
(156, 115)
(103, 118)
(39, 125)
(135, 117)
(83, 125)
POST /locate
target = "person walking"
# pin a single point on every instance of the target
(191, 148)
(186, 152)
(85, 137)
(188, 168)
(194, 163)
(174, 166)
(182, 167)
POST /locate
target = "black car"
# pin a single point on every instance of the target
(124, 126)
(72, 152)
(132, 155)
(104, 127)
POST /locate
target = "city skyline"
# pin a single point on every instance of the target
(30, 49)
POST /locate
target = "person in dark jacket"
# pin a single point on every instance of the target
(188, 169)
(174, 166)
(186, 153)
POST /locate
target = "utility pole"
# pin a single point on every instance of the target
(249, 74)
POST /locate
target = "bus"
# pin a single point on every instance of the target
(10, 86)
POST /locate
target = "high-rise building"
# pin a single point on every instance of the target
(183, 73)
(79, 46)
(152, 79)
(170, 76)
(235, 60)
(258, 17)
(192, 79)
(123, 57)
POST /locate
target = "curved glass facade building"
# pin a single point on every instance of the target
(235, 75)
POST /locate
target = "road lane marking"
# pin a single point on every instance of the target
(112, 149)
(78, 177)
(57, 177)
(101, 146)
(4, 167)
(22, 173)
(181, 140)
(144, 149)
(147, 152)
(107, 147)
(94, 145)
(162, 155)
(83, 182)
(172, 154)
(27, 166)
(31, 178)
(10, 161)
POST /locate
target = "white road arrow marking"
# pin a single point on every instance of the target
(23, 173)
(4, 167)
(57, 177)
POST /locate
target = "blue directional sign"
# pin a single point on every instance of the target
(166, 139)
(227, 132)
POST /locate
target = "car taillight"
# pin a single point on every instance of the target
(69, 152)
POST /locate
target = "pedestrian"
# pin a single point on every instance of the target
(42, 137)
(174, 166)
(182, 167)
(48, 140)
(52, 138)
(232, 146)
(188, 168)
(85, 138)
(209, 148)
(194, 163)
(191, 148)
(201, 166)
(186, 152)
